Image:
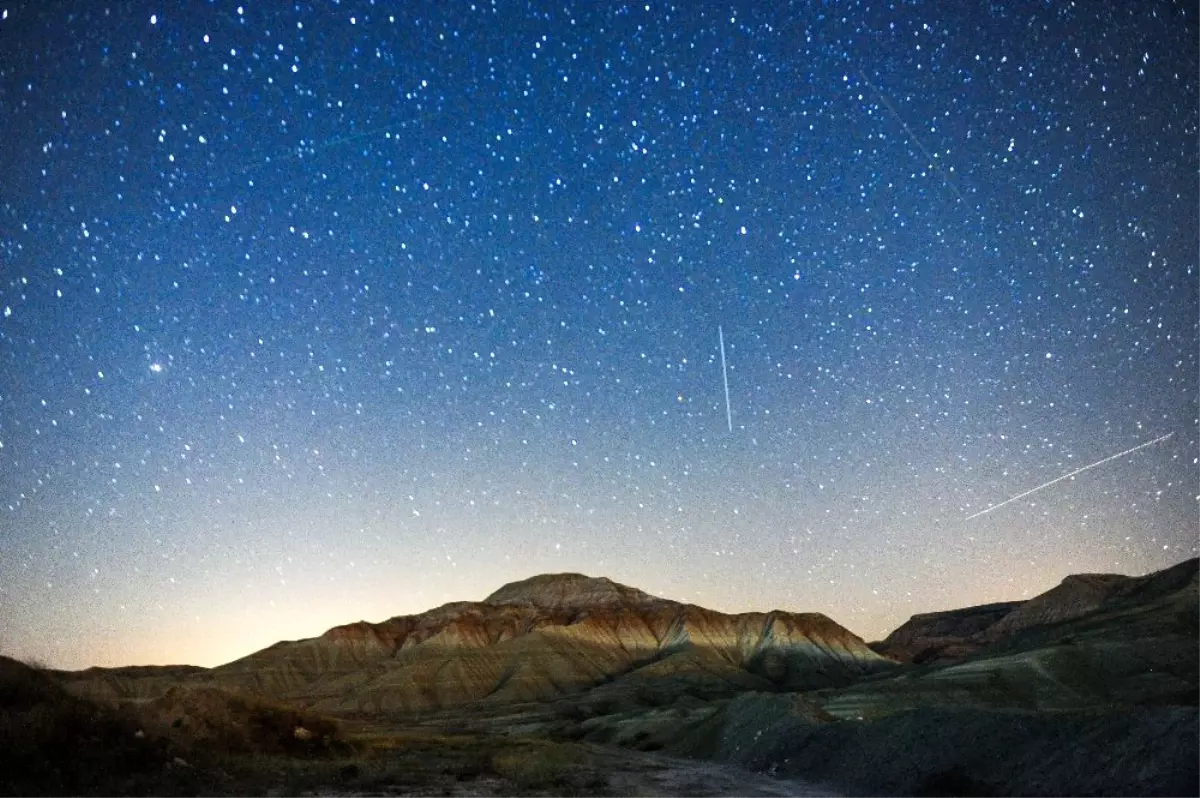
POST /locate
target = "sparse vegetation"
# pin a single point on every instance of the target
(208, 741)
(220, 722)
(188, 742)
(54, 743)
(563, 768)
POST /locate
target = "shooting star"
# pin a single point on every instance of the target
(1068, 476)
(933, 161)
(725, 377)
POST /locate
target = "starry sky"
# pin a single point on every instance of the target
(321, 311)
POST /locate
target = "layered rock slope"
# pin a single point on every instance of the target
(538, 639)
(943, 636)
(951, 636)
(1090, 643)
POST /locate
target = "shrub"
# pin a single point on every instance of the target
(227, 723)
(54, 743)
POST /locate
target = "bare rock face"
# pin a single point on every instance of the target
(1080, 594)
(954, 635)
(539, 639)
(1076, 595)
(1138, 648)
(544, 638)
(941, 636)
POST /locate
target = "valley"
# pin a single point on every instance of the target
(569, 684)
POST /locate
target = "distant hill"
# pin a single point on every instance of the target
(537, 639)
(948, 636)
(953, 635)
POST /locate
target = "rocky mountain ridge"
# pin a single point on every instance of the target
(953, 635)
(533, 640)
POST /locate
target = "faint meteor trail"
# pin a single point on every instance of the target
(1068, 476)
(933, 162)
(725, 377)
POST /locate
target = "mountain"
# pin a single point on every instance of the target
(538, 639)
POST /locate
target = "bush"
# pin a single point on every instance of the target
(221, 722)
(54, 743)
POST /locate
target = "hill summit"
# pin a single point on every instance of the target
(571, 591)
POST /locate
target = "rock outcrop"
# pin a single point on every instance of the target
(1080, 594)
(943, 636)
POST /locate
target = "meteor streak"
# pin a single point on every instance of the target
(725, 377)
(1068, 476)
(933, 161)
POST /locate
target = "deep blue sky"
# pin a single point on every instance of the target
(329, 311)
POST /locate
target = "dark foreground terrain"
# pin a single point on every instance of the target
(580, 686)
(212, 743)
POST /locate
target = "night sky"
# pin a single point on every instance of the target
(324, 311)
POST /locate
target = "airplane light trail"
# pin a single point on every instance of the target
(1068, 476)
(725, 377)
